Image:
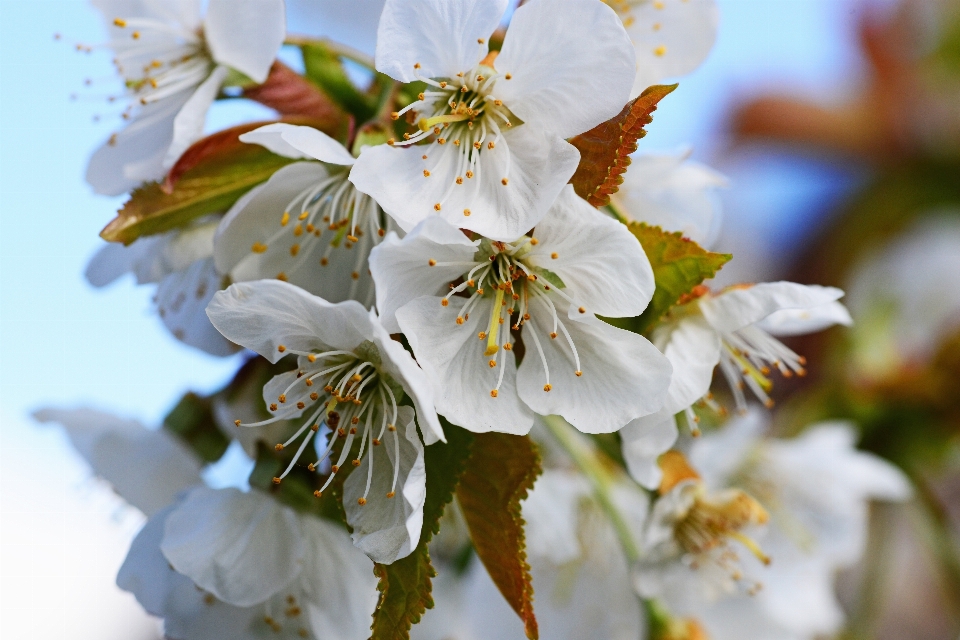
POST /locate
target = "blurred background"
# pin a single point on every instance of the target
(830, 117)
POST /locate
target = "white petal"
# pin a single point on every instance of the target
(793, 322)
(540, 166)
(693, 348)
(190, 120)
(439, 35)
(672, 37)
(400, 365)
(271, 137)
(551, 512)
(111, 262)
(739, 307)
(256, 216)
(624, 376)
(148, 575)
(643, 441)
(718, 455)
(241, 547)
(265, 314)
(295, 141)
(674, 193)
(246, 34)
(557, 83)
(182, 299)
(601, 263)
(387, 529)
(147, 468)
(401, 268)
(453, 359)
(338, 581)
(135, 155)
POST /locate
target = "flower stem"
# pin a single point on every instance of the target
(591, 463)
(341, 50)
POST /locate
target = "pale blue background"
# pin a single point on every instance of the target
(63, 343)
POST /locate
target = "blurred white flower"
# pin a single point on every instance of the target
(905, 299)
(146, 467)
(577, 263)
(672, 37)
(498, 157)
(816, 489)
(226, 565)
(173, 62)
(308, 224)
(352, 377)
(673, 192)
(181, 264)
(734, 328)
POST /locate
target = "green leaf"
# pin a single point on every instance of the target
(500, 471)
(324, 68)
(219, 176)
(605, 150)
(405, 586)
(193, 422)
(679, 266)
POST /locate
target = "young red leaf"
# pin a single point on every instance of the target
(500, 471)
(405, 586)
(290, 94)
(605, 149)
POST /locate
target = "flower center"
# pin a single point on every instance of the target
(325, 217)
(159, 59)
(466, 120)
(502, 277)
(348, 392)
(746, 359)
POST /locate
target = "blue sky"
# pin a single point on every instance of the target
(63, 343)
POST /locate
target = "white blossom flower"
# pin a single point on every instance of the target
(173, 62)
(463, 304)
(672, 37)
(498, 157)
(181, 264)
(146, 467)
(352, 377)
(904, 297)
(226, 565)
(673, 192)
(816, 490)
(308, 224)
(733, 328)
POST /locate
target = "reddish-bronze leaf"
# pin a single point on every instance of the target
(290, 94)
(500, 471)
(605, 150)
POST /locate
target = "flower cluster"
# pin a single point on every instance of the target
(448, 281)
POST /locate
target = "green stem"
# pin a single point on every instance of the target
(588, 459)
(618, 213)
(340, 50)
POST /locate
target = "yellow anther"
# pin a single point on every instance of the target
(466, 212)
(432, 262)
(459, 319)
(426, 173)
(469, 174)
(508, 76)
(276, 481)
(436, 207)
(553, 335)
(284, 219)
(278, 447)
(300, 405)
(554, 255)
(361, 501)
(490, 145)
(396, 115)
(492, 363)
(236, 423)
(547, 387)
(582, 310)
(282, 398)
(135, 35)
(355, 462)
(493, 393)
(579, 373)
(391, 494)
(281, 348)
(459, 179)
(119, 22)
(660, 51)
(324, 262)
(294, 250)
(273, 407)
